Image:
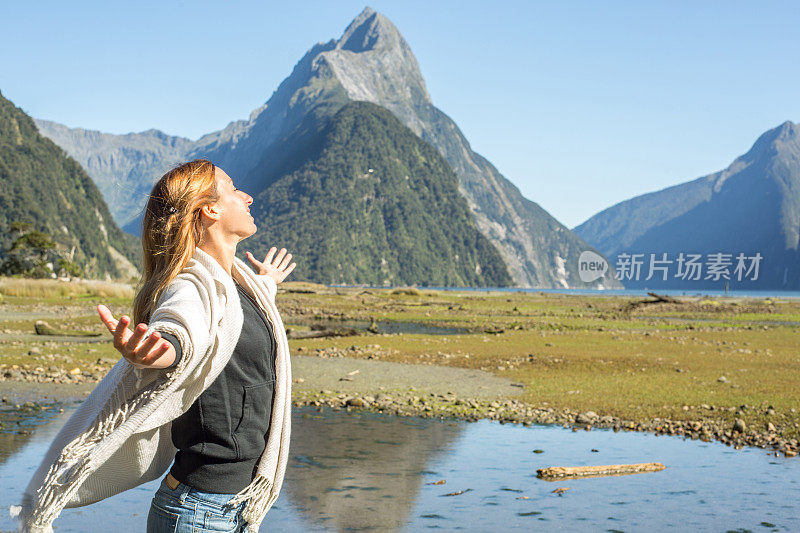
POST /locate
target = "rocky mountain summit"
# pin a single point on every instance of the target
(372, 62)
(751, 207)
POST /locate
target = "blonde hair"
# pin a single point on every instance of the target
(171, 229)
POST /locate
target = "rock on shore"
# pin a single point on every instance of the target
(425, 391)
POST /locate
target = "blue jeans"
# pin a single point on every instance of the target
(188, 510)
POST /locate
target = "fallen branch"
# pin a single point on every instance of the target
(663, 298)
(562, 472)
(658, 299)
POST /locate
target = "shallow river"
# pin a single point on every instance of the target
(369, 472)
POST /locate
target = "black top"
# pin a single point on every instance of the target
(223, 434)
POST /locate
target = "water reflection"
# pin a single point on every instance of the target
(371, 472)
(362, 472)
(17, 426)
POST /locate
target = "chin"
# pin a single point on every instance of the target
(247, 233)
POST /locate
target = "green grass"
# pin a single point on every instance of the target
(49, 289)
(576, 352)
(590, 355)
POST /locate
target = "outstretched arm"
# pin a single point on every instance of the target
(152, 352)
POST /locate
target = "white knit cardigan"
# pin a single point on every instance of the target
(120, 435)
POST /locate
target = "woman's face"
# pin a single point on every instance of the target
(233, 207)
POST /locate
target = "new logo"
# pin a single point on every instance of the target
(591, 266)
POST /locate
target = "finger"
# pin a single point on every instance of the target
(119, 332)
(288, 270)
(279, 257)
(285, 261)
(107, 318)
(270, 253)
(144, 349)
(254, 261)
(157, 352)
(138, 334)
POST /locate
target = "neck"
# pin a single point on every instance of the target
(221, 250)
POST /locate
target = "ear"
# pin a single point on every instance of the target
(210, 211)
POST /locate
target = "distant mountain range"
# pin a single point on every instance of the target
(751, 208)
(44, 187)
(124, 167)
(371, 62)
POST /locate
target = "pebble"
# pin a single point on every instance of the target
(407, 403)
(51, 374)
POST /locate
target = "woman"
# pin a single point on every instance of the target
(205, 373)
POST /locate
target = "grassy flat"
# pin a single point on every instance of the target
(720, 358)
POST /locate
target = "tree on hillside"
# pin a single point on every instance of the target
(32, 254)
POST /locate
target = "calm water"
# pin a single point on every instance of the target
(618, 292)
(368, 472)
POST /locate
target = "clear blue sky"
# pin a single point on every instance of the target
(580, 104)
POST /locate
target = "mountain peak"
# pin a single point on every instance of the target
(782, 137)
(788, 130)
(370, 30)
(373, 62)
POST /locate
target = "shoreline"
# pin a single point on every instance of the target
(427, 391)
(444, 406)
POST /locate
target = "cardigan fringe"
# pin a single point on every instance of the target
(128, 406)
(73, 466)
(259, 500)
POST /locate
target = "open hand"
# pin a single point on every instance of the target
(277, 268)
(139, 354)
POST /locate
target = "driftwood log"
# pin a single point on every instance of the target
(663, 298)
(657, 299)
(43, 328)
(564, 472)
